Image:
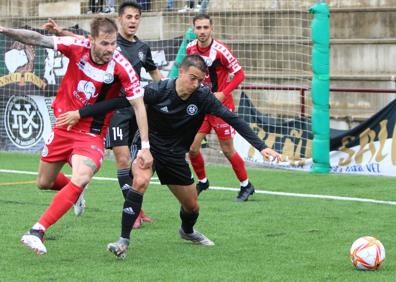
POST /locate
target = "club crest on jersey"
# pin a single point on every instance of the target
(141, 56)
(108, 78)
(192, 109)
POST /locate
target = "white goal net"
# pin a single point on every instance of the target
(270, 38)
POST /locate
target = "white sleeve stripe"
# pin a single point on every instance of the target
(69, 40)
(237, 69)
(224, 51)
(130, 98)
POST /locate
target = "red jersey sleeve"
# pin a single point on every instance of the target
(67, 45)
(129, 79)
(229, 60)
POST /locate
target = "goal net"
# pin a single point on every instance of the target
(270, 38)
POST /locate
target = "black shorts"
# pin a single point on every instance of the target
(122, 128)
(170, 170)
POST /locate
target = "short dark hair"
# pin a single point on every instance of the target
(103, 24)
(129, 4)
(194, 60)
(202, 17)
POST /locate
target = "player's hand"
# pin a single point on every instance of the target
(52, 27)
(68, 118)
(145, 159)
(270, 154)
(220, 96)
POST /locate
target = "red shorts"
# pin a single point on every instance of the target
(223, 130)
(61, 145)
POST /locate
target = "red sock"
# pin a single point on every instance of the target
(198, 165)
(61, 203)
(238, 165)
(60, 181)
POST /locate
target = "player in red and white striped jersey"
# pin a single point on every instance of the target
(96, 72)
(224, 75)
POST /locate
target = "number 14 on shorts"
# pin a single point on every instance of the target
(117, 133)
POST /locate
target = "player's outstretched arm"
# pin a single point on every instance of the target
(219, 110)
(72, 117)
(28, 37)
(155, 74)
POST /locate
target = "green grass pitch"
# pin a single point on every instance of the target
(268, 238)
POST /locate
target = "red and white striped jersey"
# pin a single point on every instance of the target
(221, 64)
(86, 82)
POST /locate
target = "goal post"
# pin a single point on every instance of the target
(320, 87)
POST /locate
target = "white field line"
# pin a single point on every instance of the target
(35, 173)
(285, 194)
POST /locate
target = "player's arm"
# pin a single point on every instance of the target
(71, 118)
(151, 67)
(238, 78)
(52, 27)
(144, 155)
(241, 127)
(28, 37)
(155, 74)
(234, 68)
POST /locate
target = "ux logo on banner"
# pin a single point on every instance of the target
(23, 121)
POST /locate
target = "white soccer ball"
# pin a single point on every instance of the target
(367, 253)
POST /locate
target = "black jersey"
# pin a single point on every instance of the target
(137, 52)
(173, 122)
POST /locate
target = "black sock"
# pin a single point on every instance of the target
(130, 212)
(124, 180)
(188, 220)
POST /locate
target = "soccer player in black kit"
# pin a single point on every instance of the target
(175, 111)
(123, 125)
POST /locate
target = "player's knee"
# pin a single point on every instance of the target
(191, 207)
(140, 183)
(81, 180)
(228, 151)
(193, 151)
(43, 184)
(123, 161)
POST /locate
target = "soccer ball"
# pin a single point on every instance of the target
(367, 253)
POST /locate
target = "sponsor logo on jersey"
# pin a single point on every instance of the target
(23, 122)
(192, 109)
(85, 91)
